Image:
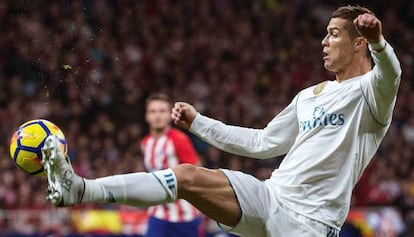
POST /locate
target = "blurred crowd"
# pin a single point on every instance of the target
(88, 65)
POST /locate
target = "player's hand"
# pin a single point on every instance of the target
(183, 114)
(369, 27)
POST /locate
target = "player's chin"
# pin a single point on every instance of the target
(328, 66)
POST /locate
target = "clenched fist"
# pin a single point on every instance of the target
(369, 27)
(183, 114)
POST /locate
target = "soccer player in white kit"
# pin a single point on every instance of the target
(329, 133)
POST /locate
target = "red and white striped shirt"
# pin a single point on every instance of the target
(164, 152)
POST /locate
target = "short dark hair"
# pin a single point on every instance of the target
(158, 96)
(349, 13)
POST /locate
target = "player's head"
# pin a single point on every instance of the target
(158, 111)
(343, 41)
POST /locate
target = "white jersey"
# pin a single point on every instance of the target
(329, 133)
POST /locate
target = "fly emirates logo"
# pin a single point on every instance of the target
(320, 117)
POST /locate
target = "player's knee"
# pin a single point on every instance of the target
(186, 175)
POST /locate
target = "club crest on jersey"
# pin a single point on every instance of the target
(319, 88)
(320, 117)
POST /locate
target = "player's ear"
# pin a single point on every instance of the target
(146, 117)
(360, 43)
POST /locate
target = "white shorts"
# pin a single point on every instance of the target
(264, 216)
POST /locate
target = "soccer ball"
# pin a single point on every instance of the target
(27, 141)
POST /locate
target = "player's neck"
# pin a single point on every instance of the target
(159, 132)
(357, 68)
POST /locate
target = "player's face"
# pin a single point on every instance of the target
(338, 50)
(158, 114)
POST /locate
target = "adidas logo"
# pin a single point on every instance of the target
(169, 178)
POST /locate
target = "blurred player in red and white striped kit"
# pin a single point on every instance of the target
(165, 147)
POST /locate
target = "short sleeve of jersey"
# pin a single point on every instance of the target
(184, 148)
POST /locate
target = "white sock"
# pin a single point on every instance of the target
(135, 189)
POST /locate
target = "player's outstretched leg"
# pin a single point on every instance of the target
(209, 190)
(65, 188)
